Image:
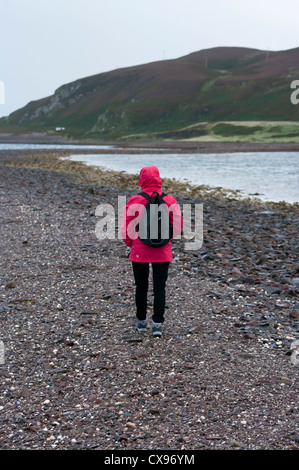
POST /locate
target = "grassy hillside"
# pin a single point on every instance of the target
(200, 96)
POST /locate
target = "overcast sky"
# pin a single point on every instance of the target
(47, 43)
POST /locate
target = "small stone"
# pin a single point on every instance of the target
(90, 312)
(194, 329)
(249, 335)
(234, 443)
(33, 428)
(130, 425)
(272, 290)
(133, 340)
(237, 271)
(10, 285)
(25, 392)
(19, 418)
(106, 297)
(285, 379)
(248, 280)
(294, 314)
(282, 305)
(154, 411)
(139, 355)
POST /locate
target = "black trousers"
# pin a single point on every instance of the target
(141, 275)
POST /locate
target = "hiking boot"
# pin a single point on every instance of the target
(141, 326)
(157, 329)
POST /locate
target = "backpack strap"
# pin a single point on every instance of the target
(144, 195)
(148, 197)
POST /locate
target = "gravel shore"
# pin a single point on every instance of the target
(76, 375)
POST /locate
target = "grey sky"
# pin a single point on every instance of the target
(47, 43)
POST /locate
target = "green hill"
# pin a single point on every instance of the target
(202, 95)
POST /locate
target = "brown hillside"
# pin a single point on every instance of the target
(231, 83)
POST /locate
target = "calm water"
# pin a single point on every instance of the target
(274, 176)
(8, 146)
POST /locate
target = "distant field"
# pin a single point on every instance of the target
(230, 131)
(284, 132)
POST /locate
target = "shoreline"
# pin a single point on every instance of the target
(165, 146)
(76, 374)
(55, 159)
(186, 185)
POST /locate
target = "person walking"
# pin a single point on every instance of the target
(143, 255)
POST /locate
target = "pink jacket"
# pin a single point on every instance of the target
(149, 181)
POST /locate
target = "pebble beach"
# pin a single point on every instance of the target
(76, 375)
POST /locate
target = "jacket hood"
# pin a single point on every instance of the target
(149, 178)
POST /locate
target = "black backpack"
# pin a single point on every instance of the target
(154, 228)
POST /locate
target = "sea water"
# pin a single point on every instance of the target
(270, 176)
